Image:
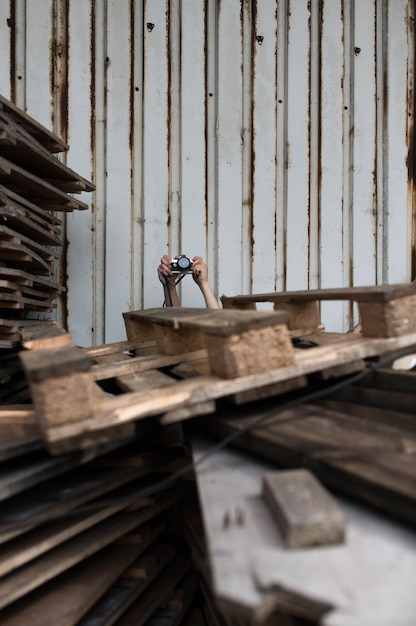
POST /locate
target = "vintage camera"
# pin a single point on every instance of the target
(181, 265)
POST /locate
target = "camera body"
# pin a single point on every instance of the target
(181, 265)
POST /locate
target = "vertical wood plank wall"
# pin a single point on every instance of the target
(274, 138)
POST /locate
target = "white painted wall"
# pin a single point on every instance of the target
(274, 143)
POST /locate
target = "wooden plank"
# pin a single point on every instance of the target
(39, 541)
(24, 257)
(110, 348)
(40, 337)
(370, 293)
(44, 136)
(34, 469)
(305, 512)
(22, 221)
(19, 302)
(9, 235)
(156, 593)
(23, 278)
(9, 198)
(140, 381)
(53, 498)
(8, 287)
(34, 187)
(46, 537)
(61, 558)
(19, 147)
(129, 587)
(390, 379)
(64, 601)
(172, 611)
(143, 363)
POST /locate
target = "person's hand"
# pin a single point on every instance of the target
(199, 271)
(164, 271)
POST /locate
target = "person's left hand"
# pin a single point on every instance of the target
(199, 270)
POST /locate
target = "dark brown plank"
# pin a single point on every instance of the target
(159, 591)
(23, 222)
(21, 148)
(9, 198)
(32, 186)
(64, 601)
(129, 587)
(55, 497)
(17, 585)
(44, 136)
(40, 283)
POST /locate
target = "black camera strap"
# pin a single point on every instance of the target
(167, 290)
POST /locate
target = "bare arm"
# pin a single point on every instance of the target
(168, 281)
(200, 276)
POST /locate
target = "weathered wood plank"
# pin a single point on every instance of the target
(39, 132)
(64, 601)
(58, 560)
(129, 587)
(34, 187)
(140, 611)
(19, 146)
(53, 498)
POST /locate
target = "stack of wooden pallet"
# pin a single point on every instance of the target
(90, 538)
(257, 380)
(34, 184)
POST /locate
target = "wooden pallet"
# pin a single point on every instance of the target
(86, 536)
(242, 355)
(18, 146)
(43, 136)
(385, 311)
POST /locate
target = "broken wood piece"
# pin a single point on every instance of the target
(305, 512)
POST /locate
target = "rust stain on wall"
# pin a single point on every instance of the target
(11, 23)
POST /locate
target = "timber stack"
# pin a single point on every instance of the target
(34, 186)
(234, 467)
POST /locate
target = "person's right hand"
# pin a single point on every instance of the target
(164, 271)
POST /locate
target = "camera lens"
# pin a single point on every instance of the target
(184, 263)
